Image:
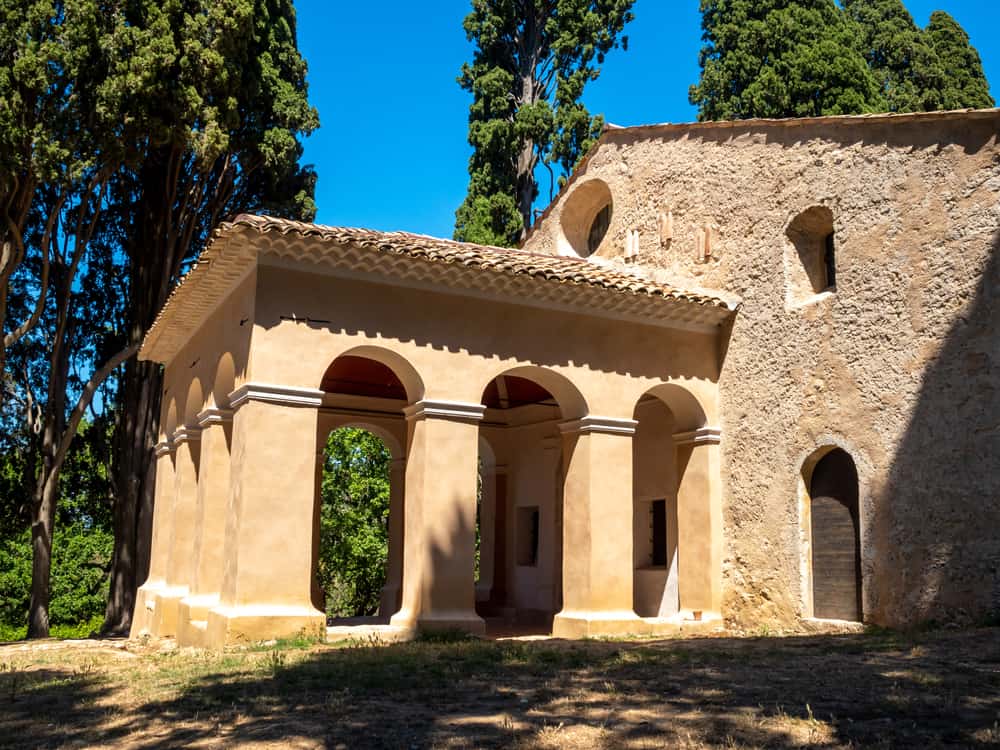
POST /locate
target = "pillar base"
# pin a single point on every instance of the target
(586, 624)
(165, 611)
(192, 619)
(145, 608)
(466, 621)
(264, 622)
(389, 601)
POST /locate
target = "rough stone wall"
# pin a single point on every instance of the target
(900, 366)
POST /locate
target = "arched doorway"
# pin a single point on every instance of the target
(354, 523)
(520, 563)
(835, 532)
(677, 516)
(361, 458)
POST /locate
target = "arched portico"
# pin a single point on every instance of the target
(678, 515)
(537, 377)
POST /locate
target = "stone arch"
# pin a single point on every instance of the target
(687, 410)
(224, 382)
(169, 423)
(571, 401)
(809, 256)
(677, 519)
(388, 439)
(407, 375)
(194, 402)
(833, 526)
(585, 219)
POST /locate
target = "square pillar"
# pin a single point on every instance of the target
(210, 530)
(163, 511)
(393, 589)
(597, 564)
(270, 537)
(179, 569)
(440, 518)
(699, 521)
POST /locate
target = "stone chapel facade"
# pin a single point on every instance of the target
(743, 370)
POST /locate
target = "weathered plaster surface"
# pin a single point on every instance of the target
(899, 366)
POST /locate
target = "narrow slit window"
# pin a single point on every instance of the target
(527, 536)
(829, 260)
(658, 533)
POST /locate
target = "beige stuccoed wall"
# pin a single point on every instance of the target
(458, 344)
(202, 375)
(898, 367)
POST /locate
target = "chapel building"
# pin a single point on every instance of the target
(738, 370)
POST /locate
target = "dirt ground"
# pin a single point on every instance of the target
(881, 689)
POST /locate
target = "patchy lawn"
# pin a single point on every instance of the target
(881, 689)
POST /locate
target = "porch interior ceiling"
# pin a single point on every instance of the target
(516, 276)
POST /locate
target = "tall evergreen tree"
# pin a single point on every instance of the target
(963, 82)
(532, 60)
(899, 54)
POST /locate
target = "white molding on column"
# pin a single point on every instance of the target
(215, 416)
(458, 411)
(164, 447)
(701, 436)
(284, 395)
(602, 425)
(186, 434)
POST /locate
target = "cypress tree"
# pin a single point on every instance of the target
(963, 82)
(899, 54)
(781, 58)
(532, 60)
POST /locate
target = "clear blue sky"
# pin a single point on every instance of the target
(391, 152)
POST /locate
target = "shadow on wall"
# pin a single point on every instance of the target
(821, 691)
(937, 519)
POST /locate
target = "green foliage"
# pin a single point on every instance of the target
(81, 557)
(354, 532)
(898, 53)
(963, 82)
(780, 58)
(795, 58)
(532, 61)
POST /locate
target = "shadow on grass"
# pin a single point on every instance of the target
(883, 689)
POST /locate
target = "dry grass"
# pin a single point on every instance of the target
(883, 689)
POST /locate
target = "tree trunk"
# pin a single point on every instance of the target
(42, 526)
(135, 474)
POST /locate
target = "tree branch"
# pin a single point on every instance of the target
(80, 409)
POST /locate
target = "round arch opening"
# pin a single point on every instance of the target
(586, 218)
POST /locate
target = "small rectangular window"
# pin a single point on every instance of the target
(658, 533)
(527, 536)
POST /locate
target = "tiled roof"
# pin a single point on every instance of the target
(556, 268)
(504, 273)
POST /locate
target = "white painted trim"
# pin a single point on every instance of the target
(186, 434)
(163, 448)
(284, 395)
(701, 436)
(215, 416)
(454, 410)
(595, 424)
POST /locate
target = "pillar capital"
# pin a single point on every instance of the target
(455, 411)
(186, 434)
(701, 436)
(597, 424)
(164, 447)
(214, 416)
(283, 395)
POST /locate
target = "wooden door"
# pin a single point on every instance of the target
(836, 544)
